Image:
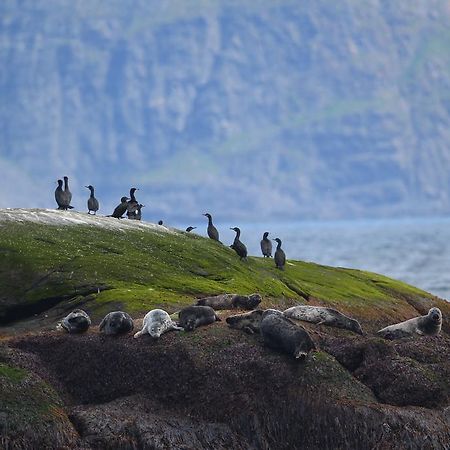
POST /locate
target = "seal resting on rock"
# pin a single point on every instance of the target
(280, 333)
(116, 322)
(77, 321)
(323, 315)
(156, 322)
(249, 322)
(231, 301)
(429, 325)
(194, 316)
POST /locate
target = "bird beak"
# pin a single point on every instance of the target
(87, 187)
(232, 229)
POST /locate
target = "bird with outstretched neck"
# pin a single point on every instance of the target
(120, 209)
(189, 229)
(67, 192)
(92, 202)
(132, 206)
(280, 257)
(266, 246)
(211, 230)
(237, 245)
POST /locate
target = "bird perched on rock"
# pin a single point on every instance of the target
(120, 209)
(61, 197)
(237, 245)
(92, 202)
(132, 204)
(266, 246)
(67, 192)
(160, 222)
(212, 230)
(280, 256)
(189, 229)
(138, 214)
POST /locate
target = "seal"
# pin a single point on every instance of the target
(280, 333)
(77, 321)
(194, 316)
(429, 325)
(249, 322)
(156, 322)
(116, 322)
(323, 315)
(231, 301)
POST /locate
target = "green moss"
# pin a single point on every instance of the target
(147, 268)
(12, 374)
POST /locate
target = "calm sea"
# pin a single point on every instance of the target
(416, 251)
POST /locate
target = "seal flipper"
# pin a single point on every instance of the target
(175, 327)
(218, 319)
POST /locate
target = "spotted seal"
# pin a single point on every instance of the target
(323, 315)
(116, 322)
(429, 325)
(192, 317)
(249, 322)
(77, 321)
(156, 322)
(280, 333)
(231, 301)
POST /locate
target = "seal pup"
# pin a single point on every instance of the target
(189, 229)
(92, 202)
(211, 230)
(266, 246)
(280, 333)
(192, 317)
(322, 315)
(157, 322)
(249, 322)
(237, 245)
(116, 322)
(429, 325)
(280, 256)
(120, 209)
(77, 321)
(231, 301)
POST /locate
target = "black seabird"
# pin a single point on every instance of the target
(212, 230)
(59, 195)
(138, 214)
(120, 209)
(266, 246)
(67, 192)
(189, 229)
(160, 222)
(92, 202)
(280, 257)
(237, 245)
(132, 204)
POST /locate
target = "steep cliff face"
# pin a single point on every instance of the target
(324, 109)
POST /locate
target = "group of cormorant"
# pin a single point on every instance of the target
(132, 208)
(239, 247)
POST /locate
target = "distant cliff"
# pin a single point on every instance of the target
(305, 109)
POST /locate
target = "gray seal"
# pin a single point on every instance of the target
(323, 315)
(77, 321)
(116, 322)
(231, 301)
(192, 317)
(429, 325)
(249, 322)
(156, 322)
(280, 333)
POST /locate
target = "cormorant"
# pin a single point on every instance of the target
(237, 245)
(266, 246)
(132, 204)
(59, 195)
(280, 257)
(92, 202)
(189, 229)
(160, 222)
(67, 192)
(138, 214)
(120, 209)
(212, 230)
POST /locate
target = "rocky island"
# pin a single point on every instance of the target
(215, 387)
